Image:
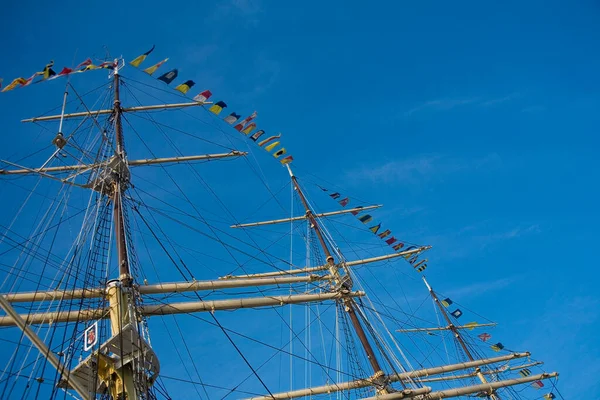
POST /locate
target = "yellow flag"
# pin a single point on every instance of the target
(471, 325)
(140, 59)
(271, 146)
(279, 152)
(217, 107)
(286, 160)
(13, 84)
(152, 69)
(184, 87)
(249, 128)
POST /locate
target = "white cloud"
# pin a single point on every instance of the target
(442, 105)
(420, 168)
(474, 238)
(449, 103)
(480, 287)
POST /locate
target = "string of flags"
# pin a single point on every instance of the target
(48, 73)
(247, 126)
(384, 234)
(484, 337)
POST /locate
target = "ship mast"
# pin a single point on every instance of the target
(120, 186)
(492, 394)
(119, 292)
(349, 303)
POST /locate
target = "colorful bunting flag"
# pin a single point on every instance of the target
(217, 107)
(185, 86)
(447, 302)
(140, 59)
(231, 118)
(409, 248)
(421, 268)
(375, 228)
(271, 146)
(88, 67)
(484, 337)
(456, 313)
(365, 218)
(391, 240)
(257, 134)
(152, 69)
(47, 72)
(267, 140)
(286, 160)
(279, 152)
(65, 71)
(335, 195)
(497, 347)
(538, 384)
(84, 64)
(417, 265)
(28, 81)
(525, 372)
(356, 212)
(549, 396)
(470, 325)
(398, 246)
(169, 77)
(503, 367)
(14, 84)
(385, 233)
(203, 96)
(344, 202)
(108, 65)
(242, 124)
(249, 128)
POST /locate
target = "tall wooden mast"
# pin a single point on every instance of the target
(119, 292)
(349, 303)
(120, 185)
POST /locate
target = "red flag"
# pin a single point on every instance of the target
(241, 125)
(356, 211)
(28, 81)
(65, 71)
(344, 202)
(538, 384)
(203, 96)
(484, 337)
(85, 63)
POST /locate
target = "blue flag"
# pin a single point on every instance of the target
(168, 77)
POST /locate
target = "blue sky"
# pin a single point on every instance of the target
(474, 124)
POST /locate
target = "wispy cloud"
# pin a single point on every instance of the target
(512, 233)
(441, 105)
(533, 109)
(249, 10)
(474, 238)
(451, 103)
(499, 100)
(420, 168)
(478, 288)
